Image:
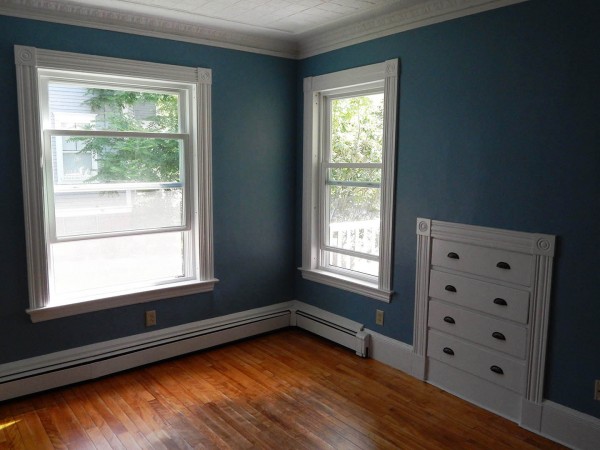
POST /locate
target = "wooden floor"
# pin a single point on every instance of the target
(285, 390)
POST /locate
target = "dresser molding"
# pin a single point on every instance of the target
(541, 247)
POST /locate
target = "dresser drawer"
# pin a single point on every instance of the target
(497, 334)
(485, 364)
(501, 301)
(489, 262)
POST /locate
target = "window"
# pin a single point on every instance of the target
(117, 180)
(349, 151)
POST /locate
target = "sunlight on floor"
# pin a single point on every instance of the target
(8, 424)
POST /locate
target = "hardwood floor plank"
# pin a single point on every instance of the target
(98, 439)
(362, 419)
(325, 389)
(50, 428)
(11, 435)
(113, 398)
(111, 428)
(186, 428)
(286, 390)
(232, 410)
(218, 410)
(141, 414)
(77, 405)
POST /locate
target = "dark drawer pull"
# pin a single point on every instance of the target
(450, 288)
(497, 370)
(453, 255)
(503, 265)
(500, 301)
(449, 319)
(448, 351)
(499, 336)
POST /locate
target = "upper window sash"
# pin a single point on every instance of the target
(87, 80)
(183, 93)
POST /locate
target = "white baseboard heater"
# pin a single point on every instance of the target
(93, 361)
(333, 327)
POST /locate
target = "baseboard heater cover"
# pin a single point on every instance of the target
(335, 328)
(94, 361)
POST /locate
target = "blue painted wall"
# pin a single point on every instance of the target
(253, 158)
(498, 126)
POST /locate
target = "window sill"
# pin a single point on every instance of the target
(348, 284)
(158, 293)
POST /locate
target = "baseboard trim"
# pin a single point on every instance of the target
(391, 352)
(93, 361)
(569, 427)
(88, 362)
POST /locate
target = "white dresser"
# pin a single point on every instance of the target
(481, 314)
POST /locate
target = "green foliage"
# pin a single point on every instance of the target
(357, 129)
(133, 159)
(356, 137)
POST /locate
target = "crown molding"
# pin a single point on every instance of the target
(298, 47)
(431, 12)
(147, 25)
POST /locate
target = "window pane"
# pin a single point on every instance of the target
(357, 129)
(111, 264)
(355, 175)
(85, 107)
(116, 185)
(361, 265)
(125, 209)
(118, 160)
(76, 167)
(354, 218)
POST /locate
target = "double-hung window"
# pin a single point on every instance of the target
(117, 180)
(349, 149)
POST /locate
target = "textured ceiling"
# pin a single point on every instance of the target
(288, 17)
(288, 28)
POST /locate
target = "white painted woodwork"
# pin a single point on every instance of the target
(476, 360)
(92, 361)
(390, 351)
(480, 295)
(462, 298)
(478, 390)
(354, 81)
(29, 63)
(480, 328)
(569, 427)
(482, 261)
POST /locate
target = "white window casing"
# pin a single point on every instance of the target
(382, 77)
(32, 65)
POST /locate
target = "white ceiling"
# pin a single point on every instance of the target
(289, 28)
(270, 17)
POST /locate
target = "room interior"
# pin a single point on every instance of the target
(497, 128)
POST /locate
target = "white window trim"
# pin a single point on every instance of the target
(314, 88)
(28, 60)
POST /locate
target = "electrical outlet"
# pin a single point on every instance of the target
(150, 318)
(597, 390)
(378, 317)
